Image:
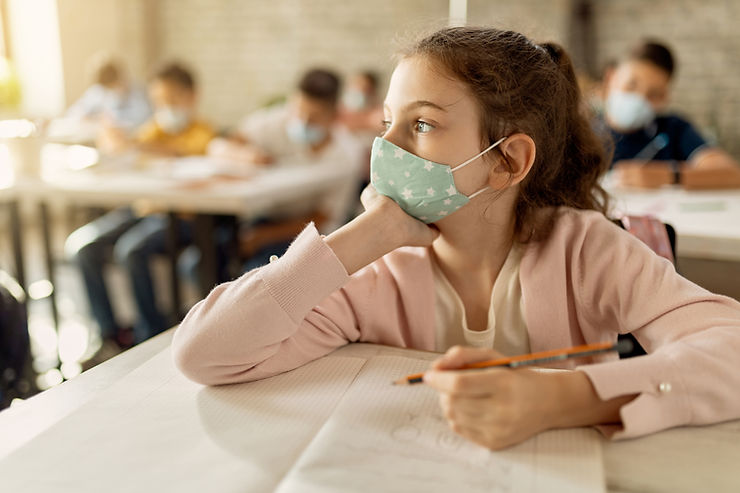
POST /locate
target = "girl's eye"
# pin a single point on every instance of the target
(422, 127)
(386, 126)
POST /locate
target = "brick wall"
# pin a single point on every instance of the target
(247, 51)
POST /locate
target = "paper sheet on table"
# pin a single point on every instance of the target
(387, 438)
(154, 430)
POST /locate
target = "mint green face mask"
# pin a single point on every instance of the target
(424, 189)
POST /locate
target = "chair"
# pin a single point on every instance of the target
(655, 234)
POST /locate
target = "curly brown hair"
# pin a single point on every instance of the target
(528, 88)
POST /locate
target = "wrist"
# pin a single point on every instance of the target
(363, 240)
(573, 401)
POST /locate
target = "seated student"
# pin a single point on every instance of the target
(304, 132)
(112, 100)
(362, 114)
(637, 96)
(174, 130)
(485, 226)
(362, 111)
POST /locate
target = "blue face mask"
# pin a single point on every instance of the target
(304, 133)
(424, 189)
(629, 111)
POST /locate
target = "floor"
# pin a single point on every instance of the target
(62, 353)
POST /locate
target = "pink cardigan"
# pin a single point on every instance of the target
(587, 282)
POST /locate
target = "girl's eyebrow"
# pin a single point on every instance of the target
(420, 103)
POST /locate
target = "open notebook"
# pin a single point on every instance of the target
(336, 424)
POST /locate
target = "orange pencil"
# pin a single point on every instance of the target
(621, 347)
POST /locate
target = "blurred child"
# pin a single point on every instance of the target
(362, 111)
(644, 132)
(113, 99)
(303, 132)
(174, 130)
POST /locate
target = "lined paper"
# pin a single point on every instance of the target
(383, 437)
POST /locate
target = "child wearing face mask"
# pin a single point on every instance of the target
(173, 131)
(648, 139)
(484, 227)
(301, 132)
(113, 100)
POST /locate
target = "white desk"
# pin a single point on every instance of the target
(682, 459)
(707, 223)
(125, 181)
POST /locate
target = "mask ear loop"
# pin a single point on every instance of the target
(478, 155)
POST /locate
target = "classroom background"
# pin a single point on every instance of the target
(247, 54)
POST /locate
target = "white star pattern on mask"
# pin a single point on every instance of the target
(451, 190)
(376, 177)
(379, 153)
(391, 182)
(407, 194)
(448, 201)
(442, 213)
(431, 191)
(398, 153)
(428, 166)
(423, 218)
(407, 174)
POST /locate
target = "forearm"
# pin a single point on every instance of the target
(573, 401)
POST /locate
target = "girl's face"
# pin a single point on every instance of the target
(435, 117)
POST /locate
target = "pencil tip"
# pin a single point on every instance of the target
(401, 381)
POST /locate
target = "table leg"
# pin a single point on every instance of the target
(172, 250)
(205, 239)
(16, 237)
(49, 259)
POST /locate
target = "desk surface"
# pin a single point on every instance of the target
(192, 184)
(707, 223)
(681, 459)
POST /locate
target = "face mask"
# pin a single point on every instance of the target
(172, 119)
(628, 110)
(355, 100)
(304, 133)
(424, 189)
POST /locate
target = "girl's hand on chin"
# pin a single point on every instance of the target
(409, 230)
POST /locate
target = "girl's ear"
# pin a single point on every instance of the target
(518, 152)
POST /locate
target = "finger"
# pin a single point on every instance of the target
(469, 382)
(458, 356)
(368, 195)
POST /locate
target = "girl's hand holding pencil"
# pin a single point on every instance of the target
(498, 406)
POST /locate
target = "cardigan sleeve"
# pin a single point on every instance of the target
(691, 374)
(259, 325)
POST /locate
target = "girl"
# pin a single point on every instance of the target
(485, 227)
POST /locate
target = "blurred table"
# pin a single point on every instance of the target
(77, 175)
(707, 223)
(686, 459)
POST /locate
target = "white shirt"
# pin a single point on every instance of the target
(506, 330)
(127, 112)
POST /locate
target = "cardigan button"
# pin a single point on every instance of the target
(664, 387)
(273, 258)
